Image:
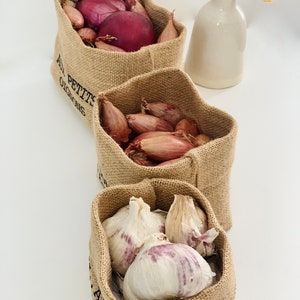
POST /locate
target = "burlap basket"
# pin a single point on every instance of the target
(158, 193)
(81, 71)
(207, 167)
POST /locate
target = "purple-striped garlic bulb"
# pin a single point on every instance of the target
(165, 270)
(127, 229)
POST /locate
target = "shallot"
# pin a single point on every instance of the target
(74, 15)
(169, 32)
(136, 141)
(165, 147)
(113, 121)
(165, 111)
(88, 35)
(187, 126)
(141, 158)
(201, 139)
(140, 123)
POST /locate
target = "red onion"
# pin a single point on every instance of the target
(96, 11)
(127, 30)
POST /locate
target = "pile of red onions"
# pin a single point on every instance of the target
(158, 135)
(115, 25)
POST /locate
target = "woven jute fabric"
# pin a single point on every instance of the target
(159, 194)
(207, 167)
(81, 71)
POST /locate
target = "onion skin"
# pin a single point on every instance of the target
(169, 32)
(165, 147)
(187, 126)
(96, 11)
(113, 121)
(140, 123)
(88, 35)
(131, 30)
(74, 16)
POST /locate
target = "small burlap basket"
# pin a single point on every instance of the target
(207, 167)
(159, 194)
(81, 71)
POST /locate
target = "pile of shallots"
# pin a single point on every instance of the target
(115, 25)
(158, 135)
(161, 255)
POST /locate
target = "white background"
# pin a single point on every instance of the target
(48, 159)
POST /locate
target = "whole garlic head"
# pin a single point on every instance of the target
(165, 270)
(187, 223)
(127, 230)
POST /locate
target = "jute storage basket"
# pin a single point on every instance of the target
(81, 71)
(159, 194)
(207, 167)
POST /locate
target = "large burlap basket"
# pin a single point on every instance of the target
(207, 167)
(159, 194)
(81, 71)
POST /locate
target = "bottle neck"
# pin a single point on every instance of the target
(223, 3)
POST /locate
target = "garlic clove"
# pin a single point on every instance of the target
(205, 245)
(187, 223)
(165, 270)
(126, 232)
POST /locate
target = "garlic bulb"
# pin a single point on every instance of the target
(187, 223)
(127, 229)
(165, 270)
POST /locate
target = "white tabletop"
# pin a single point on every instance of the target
(48, 158)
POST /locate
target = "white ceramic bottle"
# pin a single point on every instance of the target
(216, 50)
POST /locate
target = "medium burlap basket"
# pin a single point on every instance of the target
(207, 167)
(159, 194)
(81, 71)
